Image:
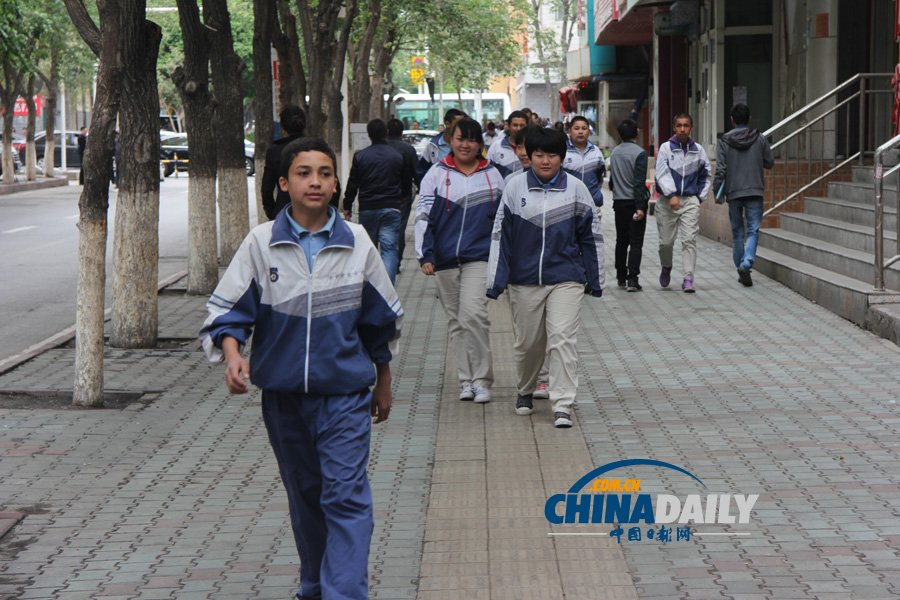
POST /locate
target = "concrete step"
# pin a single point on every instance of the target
(856, 237)
(849, 212)
(840, 260)
(862, 193)
(845, 296)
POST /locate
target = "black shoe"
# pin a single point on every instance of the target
(633, 285)
(562, 419)
(744, 276)
(524, 405)
(621, 283)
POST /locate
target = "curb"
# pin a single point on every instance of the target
(67, 334)
(39, 184)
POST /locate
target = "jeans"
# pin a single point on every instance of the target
(383, 227)
(751, 209)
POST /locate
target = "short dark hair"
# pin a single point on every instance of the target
(395, 127)
(490, 126)
(628, 129)
(740, 113)
(301, 145)
(683, 115)
(546, 140)
(577, 118)
(524, 133)
(452, 114)
(293, 120)
(517, 114)
(377, 129)
(469, 129)
(525, 110)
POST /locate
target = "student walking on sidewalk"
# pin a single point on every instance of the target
(547, 247)
(627, 182)
(682, 180)
(458, 198)
(585, 160)
(324, 316)
(741, 156)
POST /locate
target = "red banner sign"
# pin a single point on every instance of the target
(21, 109)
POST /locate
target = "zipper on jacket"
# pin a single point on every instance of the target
(462, 226)
(309, 295)
(543, 240)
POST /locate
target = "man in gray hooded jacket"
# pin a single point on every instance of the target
(741, 156)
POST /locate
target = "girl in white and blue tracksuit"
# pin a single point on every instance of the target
(454, 217)
(547, 248)
(318, 327)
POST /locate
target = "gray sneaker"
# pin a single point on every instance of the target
(562, 419)
(524, 405)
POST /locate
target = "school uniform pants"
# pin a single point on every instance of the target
(462, 293)
(684, 221)
(545, 323)
(322, 447)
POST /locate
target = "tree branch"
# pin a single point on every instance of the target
(85, 25)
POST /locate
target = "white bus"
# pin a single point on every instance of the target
(420, 108)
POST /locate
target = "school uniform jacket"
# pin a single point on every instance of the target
(589, 167)
(455, 214)
(503, 156)
(314, 332)
(544, 237)
(682, 174)
(430, 157)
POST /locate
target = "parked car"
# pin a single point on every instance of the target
(418, 138)
(176, 145)
(73, 160)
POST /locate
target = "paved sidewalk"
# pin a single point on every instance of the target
(755, 391)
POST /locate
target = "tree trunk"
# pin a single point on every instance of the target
(94, 201)
(325, 61)
(287, 44)
(52, 84)
(136, 241)
(192, 81)
(234, 218)
(9, 91)
(361, 89)
(384, 55)
(30, 154)
(263, 31)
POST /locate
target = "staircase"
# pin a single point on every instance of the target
(827, 250)
(827, 253)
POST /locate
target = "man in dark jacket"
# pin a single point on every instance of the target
(382, 178)
(395, 139)
(742, 155)
(293, 127)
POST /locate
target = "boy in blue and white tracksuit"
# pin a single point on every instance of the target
(438, 147)
(453, 233)
(325, 319)
(502, 154)
(547, 248)
(683, 176)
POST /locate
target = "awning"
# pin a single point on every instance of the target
(634, 29)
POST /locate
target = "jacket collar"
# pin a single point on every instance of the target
(676, 145)
(282, 233)
(505, 140)
(482, 164)
(573, 147)
(559, 184)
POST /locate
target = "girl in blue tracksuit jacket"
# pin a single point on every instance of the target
(547, 248)
(585, 160)
(314, 292)
(458, 198)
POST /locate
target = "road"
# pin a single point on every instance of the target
(39, 250)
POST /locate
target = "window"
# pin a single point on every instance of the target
(748, 14)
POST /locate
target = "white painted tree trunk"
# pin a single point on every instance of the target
(88, 388)
(203, 272)
(234, 214)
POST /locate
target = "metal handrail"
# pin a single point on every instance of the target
(880, 176)
(861, 96)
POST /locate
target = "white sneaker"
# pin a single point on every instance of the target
(542, 392)
(482, 394)
(468, 392)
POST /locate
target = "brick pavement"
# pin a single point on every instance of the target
(754, 391)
